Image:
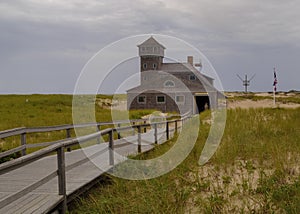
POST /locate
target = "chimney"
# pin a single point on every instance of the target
(190, 60)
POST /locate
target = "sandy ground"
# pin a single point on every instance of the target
(267, 103)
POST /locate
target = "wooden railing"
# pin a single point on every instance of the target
(23, 131)
(59, 148)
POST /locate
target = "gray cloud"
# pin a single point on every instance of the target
(47, 43)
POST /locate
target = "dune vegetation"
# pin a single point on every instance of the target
(255, 169)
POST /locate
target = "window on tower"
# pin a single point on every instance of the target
(154, 66)
(145, 65)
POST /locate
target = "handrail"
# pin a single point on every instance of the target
(12, 132)
(71, 142)
(59, 148)
(67, 127)
(21, 130)
(7, 166)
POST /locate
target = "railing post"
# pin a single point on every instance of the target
(111, 148)
(167, 130)
(145, 128)
(98, 130)
(68, 135)
(119, 135)
(139, 140)
(133, 123)
(62, 178)
(23, 143)
(155, 133)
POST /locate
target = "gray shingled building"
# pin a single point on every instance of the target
(170, 87)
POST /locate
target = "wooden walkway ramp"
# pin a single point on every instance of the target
(38, 185)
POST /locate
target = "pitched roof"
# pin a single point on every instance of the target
(181, 67)
(151, 42)
(194, 86)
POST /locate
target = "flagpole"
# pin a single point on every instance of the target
(274, 97)
(274, 88)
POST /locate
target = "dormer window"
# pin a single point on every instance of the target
(169, 83)
(192, 77)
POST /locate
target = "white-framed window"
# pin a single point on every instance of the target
(180, 99)
(192, 77)
(161, 99)
(169, 83)
(141, 99)
(145, 65)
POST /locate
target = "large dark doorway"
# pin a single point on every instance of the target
(202, 103)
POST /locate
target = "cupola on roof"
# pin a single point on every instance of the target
(151, 47)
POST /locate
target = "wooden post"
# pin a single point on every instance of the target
(155, 134)
(62, 178)
(139, 140)
(119, 135)
(98, 138)
(23, 143)
(167, 130)
(145, 127)
(68, 135)
(133, 123)
(111, 148)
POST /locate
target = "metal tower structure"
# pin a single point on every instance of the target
(246, 82)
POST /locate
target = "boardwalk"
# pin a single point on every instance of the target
(17, 187)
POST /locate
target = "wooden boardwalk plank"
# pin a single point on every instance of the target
(47, 205)
(19, 203)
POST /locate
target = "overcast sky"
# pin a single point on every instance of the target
(45, 44)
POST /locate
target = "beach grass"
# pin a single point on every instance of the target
(255, 169)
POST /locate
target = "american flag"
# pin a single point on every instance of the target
(275, 81)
